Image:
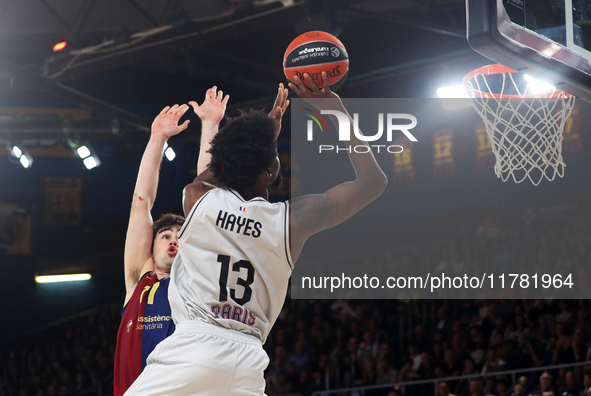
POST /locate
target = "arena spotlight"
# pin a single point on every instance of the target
(89, 158)
(451, 94)
(538, 86)
(61, 278)
(169, 152)
(21, 155)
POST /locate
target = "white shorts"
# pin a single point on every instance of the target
(204, 359)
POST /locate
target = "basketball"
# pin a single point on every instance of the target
(314, 52)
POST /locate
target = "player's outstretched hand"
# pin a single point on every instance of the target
(313, 92)
(213, 107)
(279, 107)
(167, 122)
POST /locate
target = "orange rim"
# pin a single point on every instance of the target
(501, 69)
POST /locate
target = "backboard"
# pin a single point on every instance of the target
(549, 39)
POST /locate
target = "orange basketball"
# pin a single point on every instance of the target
(314, 52)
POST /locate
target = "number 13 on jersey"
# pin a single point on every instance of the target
(241, 283)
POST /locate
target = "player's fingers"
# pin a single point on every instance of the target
(195, 106)
(299, 83)
(182, 109)
(325, 83)
(277, 113)
(277, 98)
(220, 95)
(293, 87)
(225, 101)
(213, 92)
(164, 110)
(311, 83)
(184, 125)
(280, 97)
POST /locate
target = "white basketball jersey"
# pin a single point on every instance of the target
(234, 263)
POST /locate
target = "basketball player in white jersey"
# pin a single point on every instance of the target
(236, 255)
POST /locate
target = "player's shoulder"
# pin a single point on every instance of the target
(194, 192)
(199, 187)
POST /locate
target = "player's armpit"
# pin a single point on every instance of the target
(308, 215)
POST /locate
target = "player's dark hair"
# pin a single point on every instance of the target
(166, 220)
(243, 149)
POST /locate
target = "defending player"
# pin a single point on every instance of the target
(237, 252)
(151, 247)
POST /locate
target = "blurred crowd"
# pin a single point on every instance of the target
(344, 344)
(71, 359)
(335, 344)
(330, 344)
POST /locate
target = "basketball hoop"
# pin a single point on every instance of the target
(525, 125)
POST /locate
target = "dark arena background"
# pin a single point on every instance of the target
(444, 208)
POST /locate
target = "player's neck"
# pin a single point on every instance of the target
(162, 270)
(250, 193)
(160, 274)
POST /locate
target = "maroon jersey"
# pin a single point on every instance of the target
(145, 321)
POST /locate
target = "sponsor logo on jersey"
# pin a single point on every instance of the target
(151, 322)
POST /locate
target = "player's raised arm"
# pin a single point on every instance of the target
(313, 213)
(279, 107)
(138, 242)
(211, 113)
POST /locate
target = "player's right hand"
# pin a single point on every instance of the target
(167, 122)
(313, 92)
(213, 107)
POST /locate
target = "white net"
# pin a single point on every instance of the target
(525, 128)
